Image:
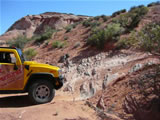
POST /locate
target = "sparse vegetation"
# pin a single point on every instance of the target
(86, 23)
(147, 39)
(131, 19)
(90, 22)
(68, 28)
(30, 53)
(97, 17)
(94, 24)
(118, 12)
(105, 18)
(58, 44)
(65, 37)
(127, 42)
(44, 36)
(18, 42)
(111, 33)
(153, 4)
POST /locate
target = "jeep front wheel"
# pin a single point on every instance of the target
(41, 91)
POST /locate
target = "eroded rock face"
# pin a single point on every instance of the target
(36, 24)
(87, 90)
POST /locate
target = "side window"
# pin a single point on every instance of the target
(13, 58)
(7, 57)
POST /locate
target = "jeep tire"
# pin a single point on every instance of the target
(41, 91)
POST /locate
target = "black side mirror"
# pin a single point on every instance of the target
(15, 67)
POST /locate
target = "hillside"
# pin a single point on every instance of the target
(36, 24)
(100, 58)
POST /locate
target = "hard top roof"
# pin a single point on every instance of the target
(9, 47)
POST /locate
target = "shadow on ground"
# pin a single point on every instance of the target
(15, 101)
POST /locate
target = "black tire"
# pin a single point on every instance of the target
(41, 91)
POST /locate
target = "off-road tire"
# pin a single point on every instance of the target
(41, 91)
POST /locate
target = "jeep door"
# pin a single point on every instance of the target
(11, 73)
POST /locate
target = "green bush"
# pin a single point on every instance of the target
(118, 12)
(65, 37)
(149, 37)
(127, 42)
(105, 18)
(75, 24)
(100, 37)
(97, 17)
(153, 4)
(146, 39)
(94, 30)
(58, 44)
(30, 53)
(18, 42)
(131, 19)
(44, 36)
(136, 15)
(136, 7)
(94, 24)
(86, 23)
(68, 28)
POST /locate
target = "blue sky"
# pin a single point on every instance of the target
(12, 10)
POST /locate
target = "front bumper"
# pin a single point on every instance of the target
(59, 82)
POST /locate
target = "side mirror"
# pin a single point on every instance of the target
(15, 67)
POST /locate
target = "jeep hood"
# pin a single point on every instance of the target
(40, 65)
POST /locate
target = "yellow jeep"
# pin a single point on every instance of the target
(20, 76)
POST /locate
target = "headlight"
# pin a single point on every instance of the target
(60, 72)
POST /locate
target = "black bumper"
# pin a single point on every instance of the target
(59, 82)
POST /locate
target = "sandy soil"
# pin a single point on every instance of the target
(18, 107)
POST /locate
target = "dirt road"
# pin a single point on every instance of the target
(18, 107)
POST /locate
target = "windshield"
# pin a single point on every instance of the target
(21, 55)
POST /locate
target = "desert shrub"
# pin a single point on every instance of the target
(136, 15)
(123, 20)
(131, 19)
(58, 44)
(94, 24)
(89, 23)
(86, 23)
(130, 41)
(97, 17)
(71, 26)
(68, 28)
(149, 37)
(105, 18)
(136, 7)
(118, 12)
(146, 39)
(75, 24)
(30, 53)
(18, 42)
(100, 37)
(153, 4)
(94, 30)
(65, 37)
(44, 36)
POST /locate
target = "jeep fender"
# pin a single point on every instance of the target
(35, 76)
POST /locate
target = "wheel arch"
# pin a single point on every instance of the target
(39, 76)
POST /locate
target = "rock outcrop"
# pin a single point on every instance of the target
(36, 24)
